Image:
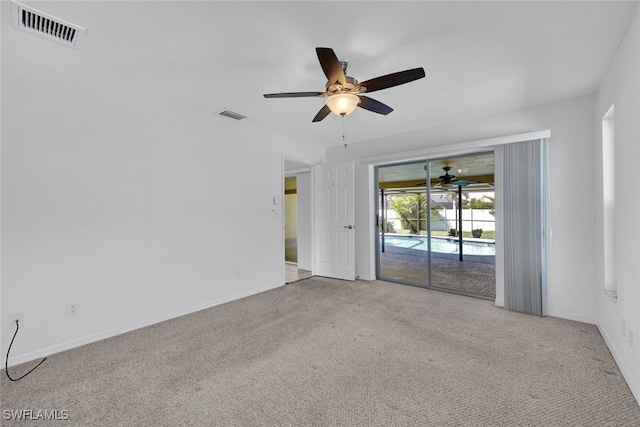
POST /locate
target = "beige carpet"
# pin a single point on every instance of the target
(324, 352)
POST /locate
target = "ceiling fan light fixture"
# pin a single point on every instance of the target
(343, 93)
(342, 104)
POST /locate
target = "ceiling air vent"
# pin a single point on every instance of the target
(47, 26)
(232, 114)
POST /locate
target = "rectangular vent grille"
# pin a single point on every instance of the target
(232, 114)
(47, 26)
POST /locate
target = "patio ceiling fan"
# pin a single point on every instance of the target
(343, 93)
(448, 180)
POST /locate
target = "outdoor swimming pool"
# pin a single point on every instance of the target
(441, 245)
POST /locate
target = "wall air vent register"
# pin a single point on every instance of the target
(39, 23)
(232, 114)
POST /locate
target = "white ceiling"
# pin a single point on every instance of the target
(480, 58)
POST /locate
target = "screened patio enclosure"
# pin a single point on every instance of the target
(436, 224)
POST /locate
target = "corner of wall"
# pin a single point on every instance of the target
(616, 320)
(633, 384)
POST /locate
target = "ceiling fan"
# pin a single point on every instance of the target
(447, 180)
(343, 93)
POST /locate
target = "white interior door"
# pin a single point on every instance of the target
(334, 221)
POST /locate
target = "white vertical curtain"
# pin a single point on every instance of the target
(524, 246)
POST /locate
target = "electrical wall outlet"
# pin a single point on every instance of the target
(630, 337)
(72, 309)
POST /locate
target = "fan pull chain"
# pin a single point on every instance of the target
(344, 130)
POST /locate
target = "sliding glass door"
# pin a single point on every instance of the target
(436, 224)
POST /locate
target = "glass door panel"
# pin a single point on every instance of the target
(402, 224)
(461, 198)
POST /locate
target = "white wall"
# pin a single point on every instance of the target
(571, 257)
(133, 210)
(622, 89)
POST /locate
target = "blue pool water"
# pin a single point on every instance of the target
(442, 245)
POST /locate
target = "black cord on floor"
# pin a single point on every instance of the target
(6, 362)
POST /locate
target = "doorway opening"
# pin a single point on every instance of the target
(436, 224)
(290, 220)
(297, 220)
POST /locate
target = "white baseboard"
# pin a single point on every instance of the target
(88, 339)
(633, 385)
(571, 316)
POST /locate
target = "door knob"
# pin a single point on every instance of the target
(348, 226)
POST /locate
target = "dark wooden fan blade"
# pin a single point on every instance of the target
(330, 65)
(391, 80)
(324, 112)
(373, 105)
(292, 94)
